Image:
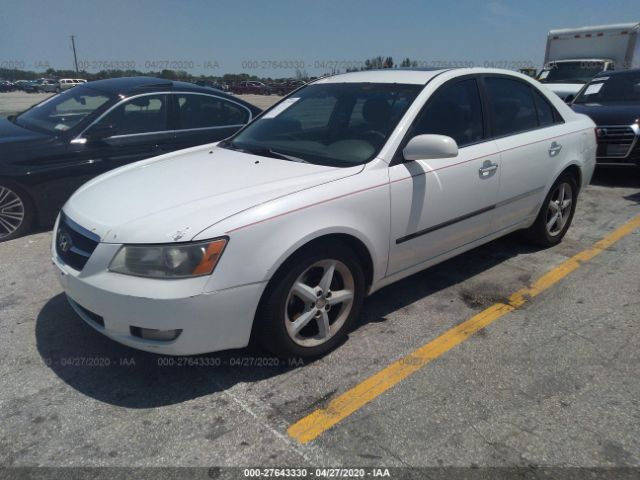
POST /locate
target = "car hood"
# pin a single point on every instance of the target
(609, 114)
(174, 197)
(563, 90)
(10, 133)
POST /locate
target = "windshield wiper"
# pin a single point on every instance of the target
(284, 156)
(267, 152)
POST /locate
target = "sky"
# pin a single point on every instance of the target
(273, 38)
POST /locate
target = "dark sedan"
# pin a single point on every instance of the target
(612, 100)
(47, 152)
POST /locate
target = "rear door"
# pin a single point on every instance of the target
(203, 118)
(443, 204)
(524, 127)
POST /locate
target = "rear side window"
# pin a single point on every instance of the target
(454, 110)
(547, 115)
(206, 111)
(512, 106)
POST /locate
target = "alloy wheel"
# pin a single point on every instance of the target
(12, 211)
(319, 303)
(559, 209)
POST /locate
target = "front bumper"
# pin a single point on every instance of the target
(113, 303)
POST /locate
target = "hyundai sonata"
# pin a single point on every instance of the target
(349, 184)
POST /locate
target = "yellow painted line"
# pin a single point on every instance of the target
(321, 420)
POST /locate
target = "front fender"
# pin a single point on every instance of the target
(261, 239)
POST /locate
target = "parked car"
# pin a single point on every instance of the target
(251, 87)
(612, 100)
(6, 86)
(67, 83)
(47, 85)
(285, 87)
(54, 147)
(354, 182)
(575, 55)
(28, 86)
(211, 84)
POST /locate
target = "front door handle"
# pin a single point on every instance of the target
(554, 149)
(487, 168)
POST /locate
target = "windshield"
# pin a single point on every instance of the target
(64, 111)
(338, 124)
(621, 87)
(571, 72)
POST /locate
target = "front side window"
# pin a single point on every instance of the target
(455, 111)
(512, 107)
(144, 114)
(63, 112)
(338, 124)
(206, 111)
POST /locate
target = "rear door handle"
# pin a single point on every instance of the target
(554, 149)
(487, 168)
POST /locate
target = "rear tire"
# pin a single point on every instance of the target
(309, 306)
(556, 213)
(16, 211)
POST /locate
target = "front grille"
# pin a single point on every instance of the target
(615, 142)
(74, 244)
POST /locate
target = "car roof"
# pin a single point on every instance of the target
(124, 85)
(418, 76)
(609, 73)
(127, 86)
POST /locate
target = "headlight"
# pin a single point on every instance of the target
(177, 260)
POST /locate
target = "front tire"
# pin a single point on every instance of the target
(16, 211)
(311, 303)
(556, 213)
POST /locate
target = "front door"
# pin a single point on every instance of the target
(440, 205)
(142, 130)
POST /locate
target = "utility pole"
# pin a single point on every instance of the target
(75, 58)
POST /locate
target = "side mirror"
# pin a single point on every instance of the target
(429, 147)
(569, 98)
(100, 131)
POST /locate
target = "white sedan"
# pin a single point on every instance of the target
(349, 184)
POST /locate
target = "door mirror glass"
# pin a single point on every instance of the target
(429, 147)
(100, 131)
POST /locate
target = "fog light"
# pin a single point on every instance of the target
(153, 334)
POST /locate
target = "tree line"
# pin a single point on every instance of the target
(372, 63)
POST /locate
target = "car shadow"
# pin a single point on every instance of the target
(616, 177)
(444, 275)
(115, 374)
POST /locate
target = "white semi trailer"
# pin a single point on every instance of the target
(574, 55)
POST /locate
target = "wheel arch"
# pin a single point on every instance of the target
(351, 239)
(574, 170)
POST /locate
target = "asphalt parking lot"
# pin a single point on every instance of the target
(555, 382)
